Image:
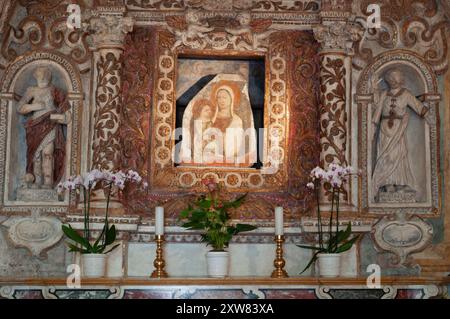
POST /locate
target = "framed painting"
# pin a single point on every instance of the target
(256, 111)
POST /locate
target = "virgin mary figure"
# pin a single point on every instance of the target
(226, 98)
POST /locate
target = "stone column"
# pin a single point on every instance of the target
(336, 36)
(110, 28)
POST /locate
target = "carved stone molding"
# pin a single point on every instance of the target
(239, 33)
(421, 26)
(43, 28)
(226, 5)
(35, 233)
(402, 235)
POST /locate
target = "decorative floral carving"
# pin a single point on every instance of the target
(304, 113)
(255, 5)
(106, 139)
(415, 24)
(268, 5)
(241, 33)
(45, 26)
(333, 119)
(136, 94)
(156, 4)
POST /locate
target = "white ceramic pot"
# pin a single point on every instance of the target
(218, 263)
(329, 265)
(94, 265)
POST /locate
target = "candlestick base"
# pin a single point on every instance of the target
(279, 261)
(159, 262)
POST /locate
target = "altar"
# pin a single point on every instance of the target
(224, 149)
(229, 288)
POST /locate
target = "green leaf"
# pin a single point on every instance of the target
(343, 235)
(244, 227)
(100, 237)
(198, 215)
(310, 247)
(185, 213)
(206, 203)
(74, 248)
(110, 235)
(313, 259)
(73, 235)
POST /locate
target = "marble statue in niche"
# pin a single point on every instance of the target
(393, 179)
(46, 109)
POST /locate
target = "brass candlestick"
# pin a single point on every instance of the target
(159, 262)
(279, 262)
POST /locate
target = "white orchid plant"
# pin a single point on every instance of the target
(85, 184)
(340, 240)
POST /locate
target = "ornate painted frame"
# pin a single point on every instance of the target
(291, 110)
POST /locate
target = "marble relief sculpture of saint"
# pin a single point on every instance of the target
(48, 109)
(392, 172)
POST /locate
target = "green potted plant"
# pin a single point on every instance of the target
(210, 214)
(94, 253)
(332, 242)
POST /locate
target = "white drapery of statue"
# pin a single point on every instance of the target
(218, 126)
(392, 170)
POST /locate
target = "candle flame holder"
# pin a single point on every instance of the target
(279, 261)
(159, 262)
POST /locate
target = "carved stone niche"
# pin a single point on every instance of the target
(39, 123)
(398, 104)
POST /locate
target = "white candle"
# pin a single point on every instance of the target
(278, 221)
(159, 220)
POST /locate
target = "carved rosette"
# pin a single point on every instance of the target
(108, 39)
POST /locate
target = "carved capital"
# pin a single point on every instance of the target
(338, 36)
(109, 29)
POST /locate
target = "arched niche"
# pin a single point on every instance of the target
(421, 134)
(17, 78)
